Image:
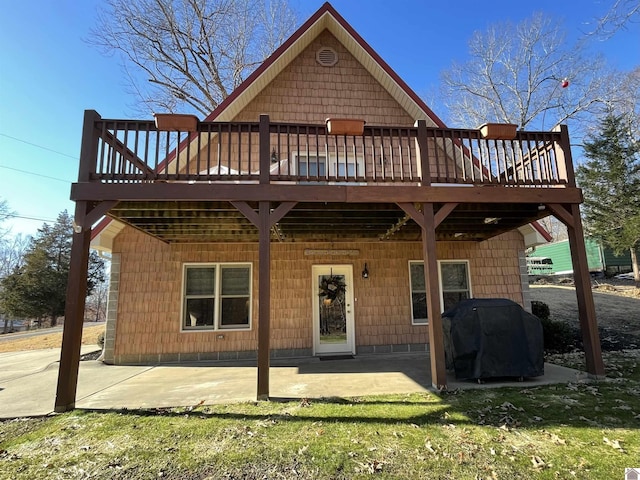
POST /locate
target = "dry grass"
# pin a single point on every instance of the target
(49, 340)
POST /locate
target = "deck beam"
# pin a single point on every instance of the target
(92, 191)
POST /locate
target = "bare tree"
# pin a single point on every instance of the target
(555, 228)
(619, 15)
(12, 250)
(525, 74)
(189, 55)
(96, 305)
(628, 102)
(5, 213)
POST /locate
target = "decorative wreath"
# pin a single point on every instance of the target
(330, 287)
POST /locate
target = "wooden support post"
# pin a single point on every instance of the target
(422, 146)
(264, 300)
(436, 340)
(586, 308)
(74, 314)
(564, 157)
(265, 145)
(77, 280)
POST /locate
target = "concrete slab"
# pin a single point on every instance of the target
(28, 381)
(29, 388)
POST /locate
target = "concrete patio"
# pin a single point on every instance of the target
(28, 381)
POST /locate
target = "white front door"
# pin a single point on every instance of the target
(333, 310)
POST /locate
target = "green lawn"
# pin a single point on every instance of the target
(564, 431)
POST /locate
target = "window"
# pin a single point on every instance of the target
(217, 297)
(454, 283)
(312, 166)
(418, 293)
(454, 286)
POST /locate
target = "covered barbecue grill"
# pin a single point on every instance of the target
(492, 337)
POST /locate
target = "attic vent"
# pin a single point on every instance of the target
(327, 57)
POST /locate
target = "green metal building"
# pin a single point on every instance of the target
(555, 259)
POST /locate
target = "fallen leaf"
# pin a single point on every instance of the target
(537, 462)
(428, 446)
(613, 444)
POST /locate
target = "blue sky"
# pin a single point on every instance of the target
(49, 75)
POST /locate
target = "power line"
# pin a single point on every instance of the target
(35, 174)
(75, 157)
(23, 217)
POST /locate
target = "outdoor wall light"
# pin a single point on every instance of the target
(365, 272)
(274, 156)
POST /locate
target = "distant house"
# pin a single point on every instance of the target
(266, 231)
(555, 259)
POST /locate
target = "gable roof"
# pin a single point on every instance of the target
(326, 18)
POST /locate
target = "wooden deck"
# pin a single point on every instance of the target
(135, 151)
(263, 182)
(183, 186)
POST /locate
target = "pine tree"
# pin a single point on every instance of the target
(37, 289)
(610, 181)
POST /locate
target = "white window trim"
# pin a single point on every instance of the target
(440, 262)
(217, 298)
(413, 320)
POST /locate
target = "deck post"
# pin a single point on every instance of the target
(265, 156)
(564, 157)
(264, 263)
(584, 295)
(74, 313)
(264, 300)
(77, 280)
(422, 146)
(436, 339)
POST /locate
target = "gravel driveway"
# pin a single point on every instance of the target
(617, 315)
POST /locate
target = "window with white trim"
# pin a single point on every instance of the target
(454, 282)
(455, 285)
(313, 165)
(216, 296)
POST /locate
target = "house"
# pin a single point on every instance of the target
(265, 231)
(601, 259)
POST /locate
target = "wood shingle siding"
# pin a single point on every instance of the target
(149, 316)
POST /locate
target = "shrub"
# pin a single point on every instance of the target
(540, 310)
(559, 337)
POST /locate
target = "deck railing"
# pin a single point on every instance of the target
(134, 151)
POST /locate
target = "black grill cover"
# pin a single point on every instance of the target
(492, 337)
